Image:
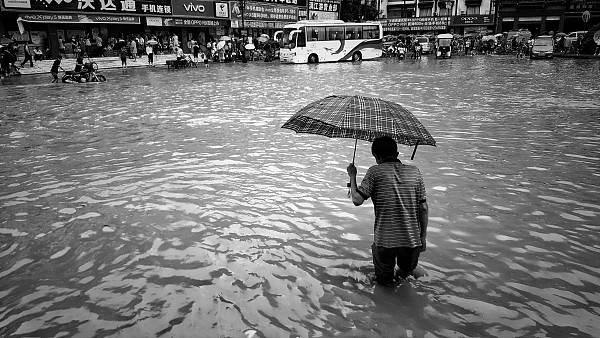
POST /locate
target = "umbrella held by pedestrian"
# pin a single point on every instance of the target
(360, 117)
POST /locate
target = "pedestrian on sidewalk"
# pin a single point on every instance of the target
(61, 46)
(28, 56)
(133, 49)
(124, 57)
(401, 212)
(150, 53)
(196, 50)
(55, 67)
(204, 59)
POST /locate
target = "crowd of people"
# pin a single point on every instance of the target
(470, 44)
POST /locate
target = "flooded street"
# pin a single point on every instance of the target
(173, 204)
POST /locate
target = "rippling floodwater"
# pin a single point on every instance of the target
(172, 204)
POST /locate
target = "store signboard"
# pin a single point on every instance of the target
(80, 18)
(299, 3)
(94, 6)
(264, 12)
(17, 3)
(324, 5)
(180, 22)
(472, 20)
(154, 21)
(195, 8)
(264, 24)
(222, 9)
(427, 23)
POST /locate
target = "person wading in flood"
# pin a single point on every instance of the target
(401, 211)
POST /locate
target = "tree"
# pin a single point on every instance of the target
(355, 11)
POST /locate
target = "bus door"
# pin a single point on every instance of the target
(298, 41)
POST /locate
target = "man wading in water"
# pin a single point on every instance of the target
(401, 211)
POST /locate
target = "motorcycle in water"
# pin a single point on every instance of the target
(88, 73)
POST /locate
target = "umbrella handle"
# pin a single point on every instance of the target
(414, 151)
(353, 156)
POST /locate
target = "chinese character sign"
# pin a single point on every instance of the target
(103, 6)
(263, 12)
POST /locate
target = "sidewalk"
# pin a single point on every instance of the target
(44, 66)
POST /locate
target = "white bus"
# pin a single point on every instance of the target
(316, 41)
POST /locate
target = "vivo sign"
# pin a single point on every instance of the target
(205, 9)
(191, 7)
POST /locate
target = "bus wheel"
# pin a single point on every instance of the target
(313, 58)
(356, 57)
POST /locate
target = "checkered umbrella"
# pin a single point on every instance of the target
(360, 117)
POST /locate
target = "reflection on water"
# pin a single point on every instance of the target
(173, 204)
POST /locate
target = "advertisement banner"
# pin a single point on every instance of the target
(80, 18)
(154, 21)
(195, 8)
(94, 6)
(299, 3)
(428, 23)
(472, 20)
(324, 5)
(222, 9)
(176, 22)
(263, 12)
(17, 4)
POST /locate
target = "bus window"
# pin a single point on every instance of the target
(371, 32)
(335, 33)
(353, 32)
(316, 33)
(302, 37)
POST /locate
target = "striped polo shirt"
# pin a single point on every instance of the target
(396, 190)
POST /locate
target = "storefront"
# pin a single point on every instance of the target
(431, 24)
(43, 22)
(200, 21)
(464, 24)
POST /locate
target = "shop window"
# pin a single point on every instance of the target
(426, 12)
(473, 10)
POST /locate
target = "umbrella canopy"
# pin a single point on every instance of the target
(225, 38)
(360, 117)
(221, 44)
(152, 42)
(263, 39)
(250, 46)
(265, 36)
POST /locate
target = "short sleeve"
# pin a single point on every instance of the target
(366, 186)
(421, 194)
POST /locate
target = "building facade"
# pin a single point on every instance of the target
(491, 16)
(548, 16)
(437, 16)
(49, 24)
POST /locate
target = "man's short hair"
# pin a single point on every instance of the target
(384, 146)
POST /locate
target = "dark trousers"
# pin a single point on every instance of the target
(27, 58)
(385, 260)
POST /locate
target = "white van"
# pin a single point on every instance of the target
(426, 42)
(573, 36)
